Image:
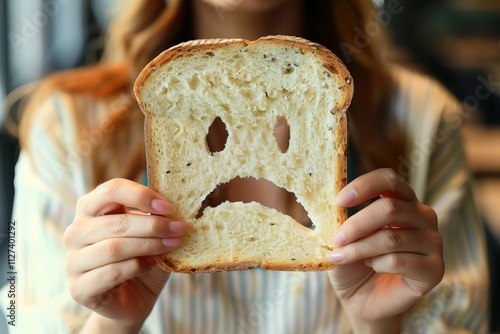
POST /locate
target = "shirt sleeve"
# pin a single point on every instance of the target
(459, 304)
(43, 206)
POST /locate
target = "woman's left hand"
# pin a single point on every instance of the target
(390, 252)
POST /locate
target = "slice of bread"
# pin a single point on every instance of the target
(250, 86)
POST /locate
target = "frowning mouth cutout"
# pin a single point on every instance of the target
(247, 190)
(277, 107)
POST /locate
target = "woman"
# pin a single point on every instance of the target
(82, 167)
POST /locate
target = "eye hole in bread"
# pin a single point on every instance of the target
(282, 134)
(217, 136)
(278, 106)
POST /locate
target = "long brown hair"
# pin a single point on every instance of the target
(142, 29)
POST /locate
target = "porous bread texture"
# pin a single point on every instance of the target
(250, 86)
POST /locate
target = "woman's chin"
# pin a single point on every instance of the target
(247, 5)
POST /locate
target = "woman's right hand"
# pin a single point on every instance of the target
(110, 261)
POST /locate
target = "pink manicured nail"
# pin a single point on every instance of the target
(161, 206)
(171, 242)
(337, 256)
(339, 238)
(346, 198)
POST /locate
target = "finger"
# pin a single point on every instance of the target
(116, 250)
(421, 271)
(116, 193)
(386, 241)
(122, 225)
(385, 212)
(381, 182)
(88, 288)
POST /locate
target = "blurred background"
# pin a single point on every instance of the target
(455, 41)
(458, 43)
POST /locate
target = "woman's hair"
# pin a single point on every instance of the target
(141, 29)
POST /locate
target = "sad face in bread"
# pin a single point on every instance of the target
(279, 106)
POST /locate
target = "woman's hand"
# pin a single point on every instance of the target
(110, 262)
(390, 252)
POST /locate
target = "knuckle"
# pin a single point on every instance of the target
(74, 291)
(69, 235)
(109, 187)
(75, 234)
(352, 253)
(432, 215)
(147, 245)
(156, 226)
(77, 292)
(391, 177)
(389, 206)
(80, 203)
(111, 248)
(394, 261)
(118, 224)
(392, 239)
(110, 273)
(364, 182)
(83, 203)
(354, 228)
(440, 267)
(142, 195)
(436, 239)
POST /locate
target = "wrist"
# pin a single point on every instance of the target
(98, 324)
(390, 325)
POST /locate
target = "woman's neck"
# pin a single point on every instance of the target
(212, 22)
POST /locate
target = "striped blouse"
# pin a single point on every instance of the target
(255, 301)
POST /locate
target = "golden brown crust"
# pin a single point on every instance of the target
(330, 61)
(182, 50)
(166, 264)
(342, 165)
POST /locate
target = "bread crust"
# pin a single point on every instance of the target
(330, 62)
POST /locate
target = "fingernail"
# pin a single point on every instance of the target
(346, 198)
(171, 242)
(177, 227)
(161, 206)
(336, 257)
(339, 238)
